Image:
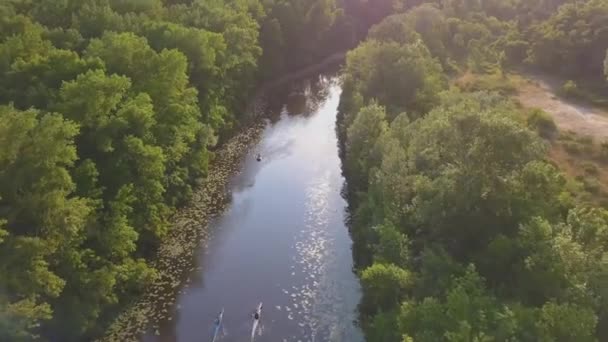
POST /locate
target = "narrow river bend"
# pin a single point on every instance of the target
(282, 240)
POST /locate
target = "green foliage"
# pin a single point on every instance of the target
(425, 21)
(495, 82)
(566, 323)
(591, 184)
(570, 89)
(40, 217)
(571, 35)
(392, 247)
(542, 123)
(362, 136)
(458, 191)
(384, 286)
(400, 77)
(467, 312)
(575, 144)
(382, 327)
(590, 168)
(19, 319)
(470, 180)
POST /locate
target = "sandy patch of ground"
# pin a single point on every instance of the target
(569, 116)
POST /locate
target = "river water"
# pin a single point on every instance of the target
(282, 240)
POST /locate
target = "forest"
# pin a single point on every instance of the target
(110, 111)
(464, 229)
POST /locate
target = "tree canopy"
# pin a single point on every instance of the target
(463, 231)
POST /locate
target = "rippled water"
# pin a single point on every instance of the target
(282, 241)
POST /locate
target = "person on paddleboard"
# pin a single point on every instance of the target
(256, 320)
(218, 325)
(257, 312)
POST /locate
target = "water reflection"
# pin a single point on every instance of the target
(282, 239)
(299, 98)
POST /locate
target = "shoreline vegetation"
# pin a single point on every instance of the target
(190, 230)
(473, 217)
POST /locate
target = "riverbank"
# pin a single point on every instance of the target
(190, 229)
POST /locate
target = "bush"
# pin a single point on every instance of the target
(585, 140)
(570, 89)
(591, 185)
(567, 136)
(577, 144)
(542, 123)
(603, 152)
(590, 168)
(490, 82)
(572, 147)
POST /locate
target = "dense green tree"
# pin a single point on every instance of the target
(120, 129)
(362, 136)
(384, 286)
(395, 28)
(382, 328)
(41, 218)
(399, 77)
(92, 18)
(151, 8)
(34, 82)
(164, 77)
(392, 247)
(566, 323)
(457, 151)
(570, 41)
(430, 23)
(466, 313)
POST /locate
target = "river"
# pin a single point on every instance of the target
(282, 239)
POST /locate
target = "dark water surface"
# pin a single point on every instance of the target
(282, 241)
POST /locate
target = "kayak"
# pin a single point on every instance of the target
(258, 311)
(218, 325)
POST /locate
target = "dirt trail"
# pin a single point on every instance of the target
(568, 115)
